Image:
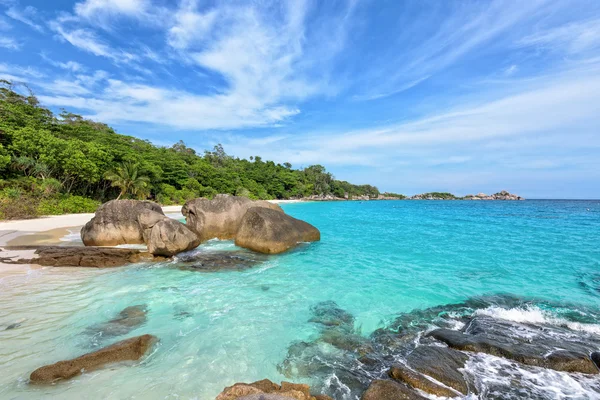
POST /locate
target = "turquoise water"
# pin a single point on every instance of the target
(375, 260)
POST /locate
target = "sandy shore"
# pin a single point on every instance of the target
(49, 230)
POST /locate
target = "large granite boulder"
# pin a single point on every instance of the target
(271, 232)
(165, 236)
(220, 217)
(127, 350)
(116, 222)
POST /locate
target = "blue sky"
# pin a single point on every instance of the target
(412, 96)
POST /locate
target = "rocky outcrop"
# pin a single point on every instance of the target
(503, 195)
(271, 232)
(440, 363)
(127, 350)
(267, 390)
(220, 217)
(116, 222)
(389, 390)
(165, 236)
(93, 257)
(487, 335)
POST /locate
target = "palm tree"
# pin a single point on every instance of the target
(127, 178)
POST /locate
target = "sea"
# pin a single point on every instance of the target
(398, 267)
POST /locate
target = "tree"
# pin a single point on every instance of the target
(127, 178)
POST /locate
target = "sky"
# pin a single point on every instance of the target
(411, 96)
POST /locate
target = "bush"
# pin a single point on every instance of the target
(67, 205)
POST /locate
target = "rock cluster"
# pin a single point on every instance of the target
(404, 361)
(127, 350)
(136, 222)
(267, 390)
(256, 225)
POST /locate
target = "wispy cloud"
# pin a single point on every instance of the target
(9, 43)
(27, 15)
(574, 38)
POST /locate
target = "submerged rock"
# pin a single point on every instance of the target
(267, 390)
(127, 350)
(220, 217)
(128, 319)
(220, 261)
(272, 232)
(94, 257)
(389, 390)
(328, 313)
(116, 222)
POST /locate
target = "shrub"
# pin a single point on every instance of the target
(66, 205)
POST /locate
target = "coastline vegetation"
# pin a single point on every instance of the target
(55, 164)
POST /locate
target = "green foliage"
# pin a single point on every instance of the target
(128, 179)
(54, 163)
(67, 204)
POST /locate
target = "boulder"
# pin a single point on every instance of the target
(271, 232)
(116, 222)
(220, 217)
(165, 236)
(127, 350)
(389, 390)
(94, 257)
(267, 390)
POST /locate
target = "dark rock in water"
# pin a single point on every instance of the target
(13, 326)
(527, 344)
(440, 363)
(328, 314)
(595, 356)
(419, 381)
(128, 319)
(389, 390)
(220, 261)
(127, 350)
(267, 390)
(264, 288)
(347, 341)
(94, 257)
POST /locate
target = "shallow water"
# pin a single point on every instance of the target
(375, 260)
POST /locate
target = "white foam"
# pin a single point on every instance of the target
(535, 315)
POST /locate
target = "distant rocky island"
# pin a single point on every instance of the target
(503, 195)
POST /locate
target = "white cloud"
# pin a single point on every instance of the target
(190, 25)
(9, 43)
(575, 37)
(26, 16)
(92, 8)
